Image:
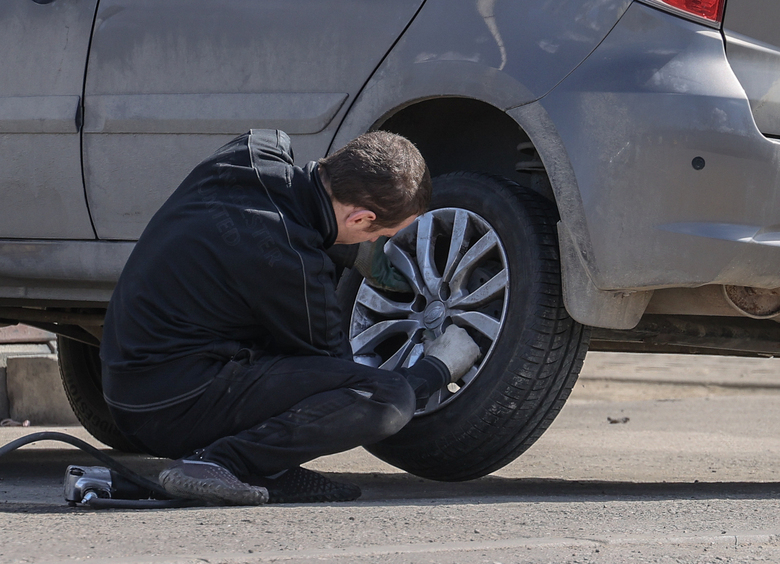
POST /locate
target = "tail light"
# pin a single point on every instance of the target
(705, 11)
(709, 9)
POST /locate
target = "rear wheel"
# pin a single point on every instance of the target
(81, 378)
(484, 258)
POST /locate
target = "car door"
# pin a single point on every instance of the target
(169, 82)
(753, 47)
(44, 51)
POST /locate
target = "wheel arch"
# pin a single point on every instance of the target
(456, 132)
(462, 134)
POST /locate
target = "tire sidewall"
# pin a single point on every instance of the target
(493, 202)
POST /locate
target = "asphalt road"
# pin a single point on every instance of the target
(687, 471)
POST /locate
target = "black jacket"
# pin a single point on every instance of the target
(236, 258)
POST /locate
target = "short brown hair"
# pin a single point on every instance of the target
(382, 172)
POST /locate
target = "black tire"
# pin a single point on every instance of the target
(527, 375)
(81, 378)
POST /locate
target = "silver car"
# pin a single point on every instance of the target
(607, 176)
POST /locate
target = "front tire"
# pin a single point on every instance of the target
(81, 377)
(485, 258)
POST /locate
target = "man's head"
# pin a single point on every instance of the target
(378, 183)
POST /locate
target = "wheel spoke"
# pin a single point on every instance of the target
(476, 253)
(373, 300)
(457, 242)
(486, 293)
(403, 262)
(470, 375)
(415, 355)
(398, 357)
(473, 277)
(482, 322)
(367, 341)
(424, 249)
(434, 400)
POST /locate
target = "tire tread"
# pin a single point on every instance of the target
(539, 378)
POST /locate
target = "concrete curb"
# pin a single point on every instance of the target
(35, 391)
(30, 385)
(16, 350)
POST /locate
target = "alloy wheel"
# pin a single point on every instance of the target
(457, 267)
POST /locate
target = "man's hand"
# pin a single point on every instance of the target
(375, 267)
(456, 349)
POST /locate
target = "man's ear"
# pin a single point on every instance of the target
(360, 219)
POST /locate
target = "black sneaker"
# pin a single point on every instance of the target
(299, 485)
(210, 482)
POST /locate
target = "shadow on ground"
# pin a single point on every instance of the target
(396, 487)
(45, 468)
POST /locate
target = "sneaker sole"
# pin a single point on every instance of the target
(300, 485)
(212, 491)
(315, 498)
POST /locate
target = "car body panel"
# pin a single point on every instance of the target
(650, 218)
(165, 91)
(753, 48)
(60, 271)
(480, 54)
(42, 68)
(619, 99)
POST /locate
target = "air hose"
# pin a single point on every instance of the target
(155, 496)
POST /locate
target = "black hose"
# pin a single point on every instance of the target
(120, 469)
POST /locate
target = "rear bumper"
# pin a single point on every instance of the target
(655, 98)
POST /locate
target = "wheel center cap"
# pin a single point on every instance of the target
(434, 314)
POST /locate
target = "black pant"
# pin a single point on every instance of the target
(259, 417)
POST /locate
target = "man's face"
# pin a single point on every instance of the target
(358, 232)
